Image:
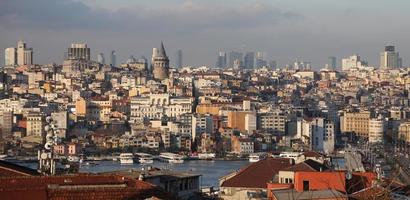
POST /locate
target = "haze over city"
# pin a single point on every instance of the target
(286, 30)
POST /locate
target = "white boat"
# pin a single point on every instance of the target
(254, 158)
(171, 158)
(73, 159)
(3, 156)
(126, 158)
(206, 156)
(144, 158)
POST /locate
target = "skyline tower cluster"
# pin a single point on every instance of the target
(18, 56)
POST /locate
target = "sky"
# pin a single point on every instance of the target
(287, 30)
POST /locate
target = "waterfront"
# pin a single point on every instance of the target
(210, 170)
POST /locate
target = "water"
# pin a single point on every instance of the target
(211, 171)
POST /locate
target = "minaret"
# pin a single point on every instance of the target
(160, 63)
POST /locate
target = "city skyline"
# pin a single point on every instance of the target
(285, 30)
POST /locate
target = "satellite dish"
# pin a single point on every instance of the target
(48, 145)
(44, 156)
(349, 175)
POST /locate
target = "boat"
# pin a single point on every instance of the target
(126, 158)
(206, 156)
(144, 158)
(171, 158)
(3, 156)
(73, 159)
(255, 157)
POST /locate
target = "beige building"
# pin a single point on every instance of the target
(404, 131)
(356, 122)
(35, 124)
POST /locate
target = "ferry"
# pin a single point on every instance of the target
(206, 156)
(255, 157)
(293, 155)
(144, 158)
(126, 158)
(171, 158)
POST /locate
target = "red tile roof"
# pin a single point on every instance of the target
(81, 186)
(256, 175)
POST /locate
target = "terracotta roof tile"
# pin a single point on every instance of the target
(256, 175)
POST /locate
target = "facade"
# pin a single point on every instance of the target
(179, 62)
(249, 60)
(6, 123)
(356, 122)
(101, 59)
(24, 54)
(35, 124)
(221, 61)
(389, 59)
(10, 56)
(353, 62)
(78, 52)
(235, 59)
(332, 62)
(160, 63)
(376, 130)
(155, 106)
(272, 122)
(113, 58)
(323, 135)
(404, 132)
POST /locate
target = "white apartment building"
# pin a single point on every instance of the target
(155, 106)
(376, 130)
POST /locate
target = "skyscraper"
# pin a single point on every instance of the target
(389, 59)
(78, 51)
(234, 57)
(101, 59)
(24, 54)
(221, 61)
(332, 62)
(249, 60)
(10, 56)
(160, 63)
(179, 59)
(113, 58)
(260, 61)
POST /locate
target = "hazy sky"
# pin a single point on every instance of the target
(286, 30)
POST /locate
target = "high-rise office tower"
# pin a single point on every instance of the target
(332, 62)
(233, 57)
(113, 58)
(101, 59)
(260, 62)
(28, 56)
(10, 56)
(24, 54)
(160, 63)
(178, 64)
(221, 61)
(389, 59)
(249, 60)
(21, 47)
(78, 52)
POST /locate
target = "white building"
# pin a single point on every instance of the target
(24, 54)
(322, 135)
(353, 62)
(376, 130)
(10, 56)
(155, 106)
